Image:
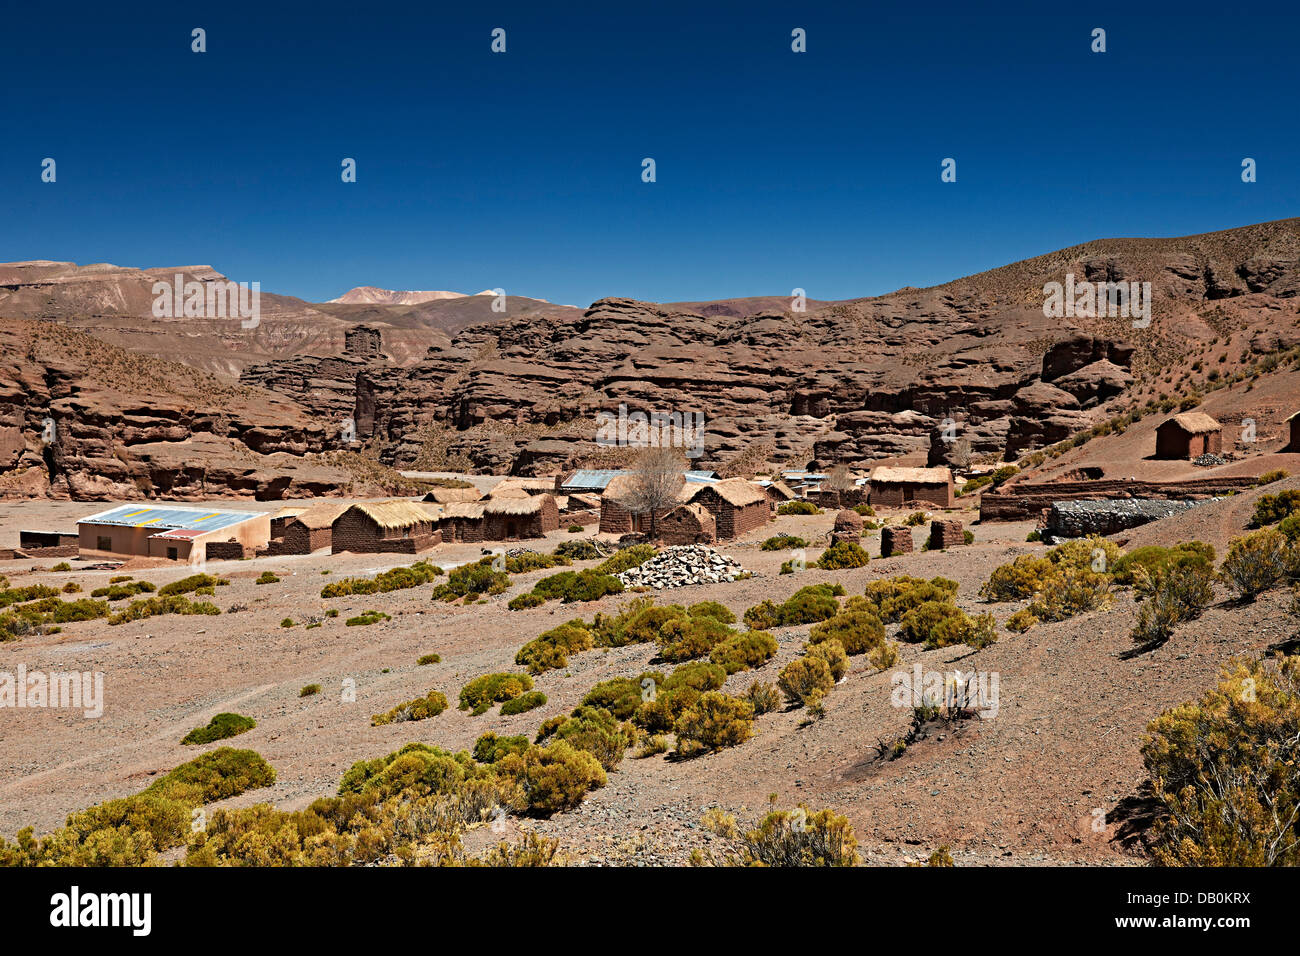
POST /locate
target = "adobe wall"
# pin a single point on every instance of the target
(1018, 501)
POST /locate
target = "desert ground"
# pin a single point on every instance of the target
(1024, 787)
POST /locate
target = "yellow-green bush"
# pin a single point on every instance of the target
(551, 649)
(744, 651)
(555, 777)
(856, 631)
(1255, 562)
(482, 692)
(714, 721)
(1224, 770)
(805, 678)
(421, 708)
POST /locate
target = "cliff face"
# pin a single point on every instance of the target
(920, 374)
(82, 419)
(976, 359)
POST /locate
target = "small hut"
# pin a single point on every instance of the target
(737, 506)
(687, 524)
(445, 496)
(900, 487)
(508, 519)
(462, 521)
(777, 492)
(398, 526)
(309, 531)
(1189, 435)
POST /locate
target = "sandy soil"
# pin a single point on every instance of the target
(1021, 787)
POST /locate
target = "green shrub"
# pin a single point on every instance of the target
(523, 703)
(267, 577)
(550, 650)
(818, 839)
(219, 728)
(583, 550)
(592, 729)
(553, 778)
(429, 659)
(783, 542)
(856, 631)
(570, 586)
(1155, 559)
(1022, 578)
(1092, 553)
(632, 557)
(798, 508)
(744, 651)
(915, 518)
(533, 561)
(1074, 592)
(367, 618)
(1255, 562)
(421, 708)
(1270, 509)
(865, 510)
(1223, 770)
(472, 579)
(764, 698)
(162, 604)
(891, 598)
(482, 692)
(394, 579)
(1021, 621)
(309, 690)
(714, 721)
(621, 696)
(638, 622)
(805, 679)
(842, 554)
(712, 609)
(186, 585)
(1265, 479)
(526, 600)
(118, 592)
(685, 638)
(808, 605)
(575, 529)
(286, 622)
(490, 748)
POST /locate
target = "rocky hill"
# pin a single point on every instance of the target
(447, 383)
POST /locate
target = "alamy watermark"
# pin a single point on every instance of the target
(208, 300)
(1113, 300)
(975, 691)
(64, 690)
(652, 430)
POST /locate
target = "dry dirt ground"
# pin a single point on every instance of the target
(1032, 785)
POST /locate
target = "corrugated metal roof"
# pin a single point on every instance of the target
(165, 518)
(592, 479)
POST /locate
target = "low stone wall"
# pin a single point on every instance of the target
(224, 551)
(1018, 501)
(895, 541)
(1078, 519)
(946, 534)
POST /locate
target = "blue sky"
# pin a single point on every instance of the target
(523, 170)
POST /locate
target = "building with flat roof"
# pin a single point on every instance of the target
(166, 531)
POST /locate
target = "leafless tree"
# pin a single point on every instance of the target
(839, 479)
(656, 481)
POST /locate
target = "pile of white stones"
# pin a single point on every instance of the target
(681, 566)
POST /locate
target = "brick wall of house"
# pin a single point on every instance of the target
(901, 494)
(946, 534)
(355, 531)
(685, 526)
(224, 551)
(614, 518)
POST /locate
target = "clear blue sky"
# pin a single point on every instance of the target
(523, 170)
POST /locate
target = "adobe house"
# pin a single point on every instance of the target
(281, 518)
(48, 544)
(1189, 435)
(370, 527)
(445, 496)
(777, 492)
(177, 534)
(510, 518)
(688, 524)
(737, 505)
(616, 516)
(1294, 443)
(461, 521)
(311, 530)
(900, 487)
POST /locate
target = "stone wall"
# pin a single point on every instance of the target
(946, 534)
(1018, 501)
(224, 551)
(895, 541)
(1078, 519)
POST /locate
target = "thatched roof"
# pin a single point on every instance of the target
(322, 515)
(734, 491)
(396, 513)
(1195, 423)
(914, 476)
(779, 490)
(291, 511)
(521, 487)
(444, 496)
(515, 506)
(461, 509)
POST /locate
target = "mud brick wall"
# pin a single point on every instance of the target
(684, 526)
(354, 531)
(614, 518)
(946, 534)
(1018, 501)
(583, 518)
(224, 551)
(895, 541)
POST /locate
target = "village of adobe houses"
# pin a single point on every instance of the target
(300, 604)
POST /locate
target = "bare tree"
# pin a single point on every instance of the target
(656, 481)
(838, 479)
